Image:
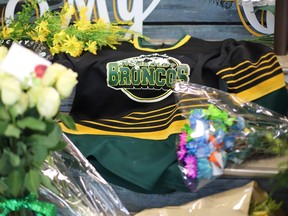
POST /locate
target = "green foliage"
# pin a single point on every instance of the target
(26, 145)
(31, 123)
(32, 180)
(15, 182)
(67, 120)
(270, 8)
(265, 208)
(280, 180)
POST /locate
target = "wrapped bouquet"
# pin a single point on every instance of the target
(41, 171)
(222, 129)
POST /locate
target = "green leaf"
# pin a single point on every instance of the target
(3, 187)
(56, 137)
(40, 153)
(47, 183)
(60, 146)
(12, 113)
(56, 133)
(22, 148)
(12, 131)
(32, 123)
(15, 182)
(14, 159)
(67, 120)
(270, 8)
(32, 180)
(4, 115)
(4, 165)
(44, 141)
(3, 127)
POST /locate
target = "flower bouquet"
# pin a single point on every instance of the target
(31, 89)
(222, 129)
(41, 170)
(63, 31)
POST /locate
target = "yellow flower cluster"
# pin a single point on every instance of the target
(53, 28)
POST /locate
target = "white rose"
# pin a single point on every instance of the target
(33, 96)
(10, 90)
(52, 73)
(66, 82)
(48, 102)
(22, 104)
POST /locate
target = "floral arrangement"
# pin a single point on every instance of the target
(29, 131)
(54, 29)
(213, 137)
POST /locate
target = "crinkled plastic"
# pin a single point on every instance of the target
(81, 190)
(234, 202)
(222, 129)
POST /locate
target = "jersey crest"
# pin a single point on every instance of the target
(147, 78)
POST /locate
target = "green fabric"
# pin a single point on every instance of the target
(276, 101)
(145, 166)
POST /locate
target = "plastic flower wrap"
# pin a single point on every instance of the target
(223, 130)
(79, 189)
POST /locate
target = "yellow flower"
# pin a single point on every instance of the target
(7, 31)
(33, 36)
(72, 46)
(100, 24)
(40, 32)
(260, 213)
(91, 46)
(42, 36)
(83, 23)
(66, 12)
(55, 49)
(42, 27)
(59, 37)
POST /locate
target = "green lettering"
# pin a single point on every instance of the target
(113, 76)
(147, 76)
(135, 76)
(125, 76)
(160, 76)
(183, 72)
(171, 77)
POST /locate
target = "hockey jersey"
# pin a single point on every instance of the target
(125, 109)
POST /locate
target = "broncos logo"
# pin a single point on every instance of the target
(137, 75)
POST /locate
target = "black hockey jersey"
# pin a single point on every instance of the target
(126, 113)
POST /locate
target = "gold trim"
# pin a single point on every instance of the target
(263, 88)
(174, 128)
(247, 61)
(178, 44)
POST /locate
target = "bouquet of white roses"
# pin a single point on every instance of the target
(31, 90)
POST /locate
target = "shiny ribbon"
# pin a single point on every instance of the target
(29, 202)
